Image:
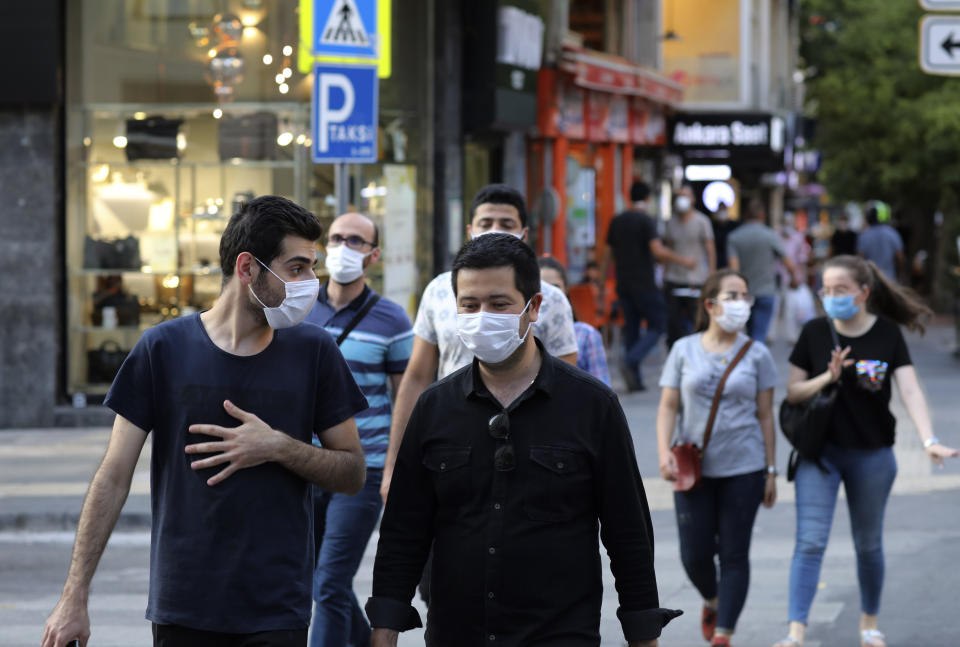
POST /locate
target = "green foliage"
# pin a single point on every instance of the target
(887, 130)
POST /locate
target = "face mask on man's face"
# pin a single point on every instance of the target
(492, 337)
(476, 234)
(298, 300)
(682, 204)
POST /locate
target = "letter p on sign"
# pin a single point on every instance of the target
(344, 114)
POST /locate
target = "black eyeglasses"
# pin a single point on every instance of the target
(504, 459)
(353, 242)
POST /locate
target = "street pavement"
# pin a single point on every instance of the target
(44, 474)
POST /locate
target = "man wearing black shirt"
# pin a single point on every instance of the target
(843, 241)
(508, 466)
(635, 245)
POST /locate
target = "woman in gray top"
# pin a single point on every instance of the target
(716, 519)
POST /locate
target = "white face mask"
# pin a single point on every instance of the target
(297, 302)
(735, 315)
(682, 204)
(476, 235)
(344, 264)
(490, 336)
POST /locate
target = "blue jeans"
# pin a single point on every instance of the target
(716, 520)
(760, 317)
(867, 476)
(348, 522)
(638, 306)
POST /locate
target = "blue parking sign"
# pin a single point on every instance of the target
(345, 28)
(344, 113)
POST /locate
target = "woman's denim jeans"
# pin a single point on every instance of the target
(716, 520)
(867, 476)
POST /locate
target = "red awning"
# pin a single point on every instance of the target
(606, 73)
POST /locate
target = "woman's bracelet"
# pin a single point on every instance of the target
(932, 440)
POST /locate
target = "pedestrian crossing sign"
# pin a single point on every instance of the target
(345, 28)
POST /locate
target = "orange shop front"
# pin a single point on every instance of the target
(597, 114)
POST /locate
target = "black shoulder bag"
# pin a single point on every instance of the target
(806, 424)
(357, 318)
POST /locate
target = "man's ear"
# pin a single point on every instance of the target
(524, 233)
(373, 257)
(244, 267)
(469, 231)
(534, 310)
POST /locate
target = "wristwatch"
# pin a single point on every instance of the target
(772, 469)
(932, 440)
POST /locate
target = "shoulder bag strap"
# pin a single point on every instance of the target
(357, 318)
(719, 393)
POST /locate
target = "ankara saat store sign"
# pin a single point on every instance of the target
(755, 140)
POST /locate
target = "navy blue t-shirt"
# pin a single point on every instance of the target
(238, 556)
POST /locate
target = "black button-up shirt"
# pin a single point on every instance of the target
(516, 555)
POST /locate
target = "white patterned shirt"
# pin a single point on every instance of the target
(437, 323)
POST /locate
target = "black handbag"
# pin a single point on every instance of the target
(251, 137)
(104, 363)
(805, 425)
(152, 138)
(115, 254)
(126, 305)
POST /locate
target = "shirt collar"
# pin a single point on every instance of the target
(472, 384)
(353, 305)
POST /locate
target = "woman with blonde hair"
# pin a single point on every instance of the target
(866, 310)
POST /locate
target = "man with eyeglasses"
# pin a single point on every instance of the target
(508, 466)
(375, 337)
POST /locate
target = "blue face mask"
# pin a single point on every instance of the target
(841, 307)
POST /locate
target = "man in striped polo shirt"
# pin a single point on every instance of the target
(375, 337)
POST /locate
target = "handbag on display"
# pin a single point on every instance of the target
(805, 425)
(126, 306)
(251, 137)
(104, 363)
(688, 456)
(152, 138)
(115, 254)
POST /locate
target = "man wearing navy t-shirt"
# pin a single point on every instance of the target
(233, 397)
(375, 337)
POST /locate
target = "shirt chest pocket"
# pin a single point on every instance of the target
(449, 467)
(558, 484)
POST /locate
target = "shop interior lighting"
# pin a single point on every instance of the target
(139, 116)
(170, 281)
(101, 173)
(301, 138)
(716, 193)
(120, 136)
(181, 142)
(284, 138)
(212, 52)
(217, 113)
(287, 72)
(707, 172)
(87, 141)
(287, 50)
(279, 79)
(267, 59)
(284, 88)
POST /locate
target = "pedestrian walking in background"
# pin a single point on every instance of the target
(591, 357)
(753, 250)
(866, 308)
(233, 396)
(375, 337)
(690, 235)
(723, 225)
(507, 468)
(739, 471)
(798, 303)
(881, 244)
(844, 240)
(635, 248)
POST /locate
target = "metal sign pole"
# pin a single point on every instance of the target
(341, 187)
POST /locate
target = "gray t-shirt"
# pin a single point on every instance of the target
(880, 244)
(736, 443)
(688, 239)
(757, 247)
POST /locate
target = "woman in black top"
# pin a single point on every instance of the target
(865, 309)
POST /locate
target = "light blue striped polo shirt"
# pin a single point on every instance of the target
(379, 346)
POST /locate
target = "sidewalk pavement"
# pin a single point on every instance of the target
(44, 474)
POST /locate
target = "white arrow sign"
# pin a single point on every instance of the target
(940, 45)
(940, 5)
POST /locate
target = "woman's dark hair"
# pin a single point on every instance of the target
(500, 250)
(260, 226)
(500, 194)
(710, 290)
(893, 301)
(550, 263)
